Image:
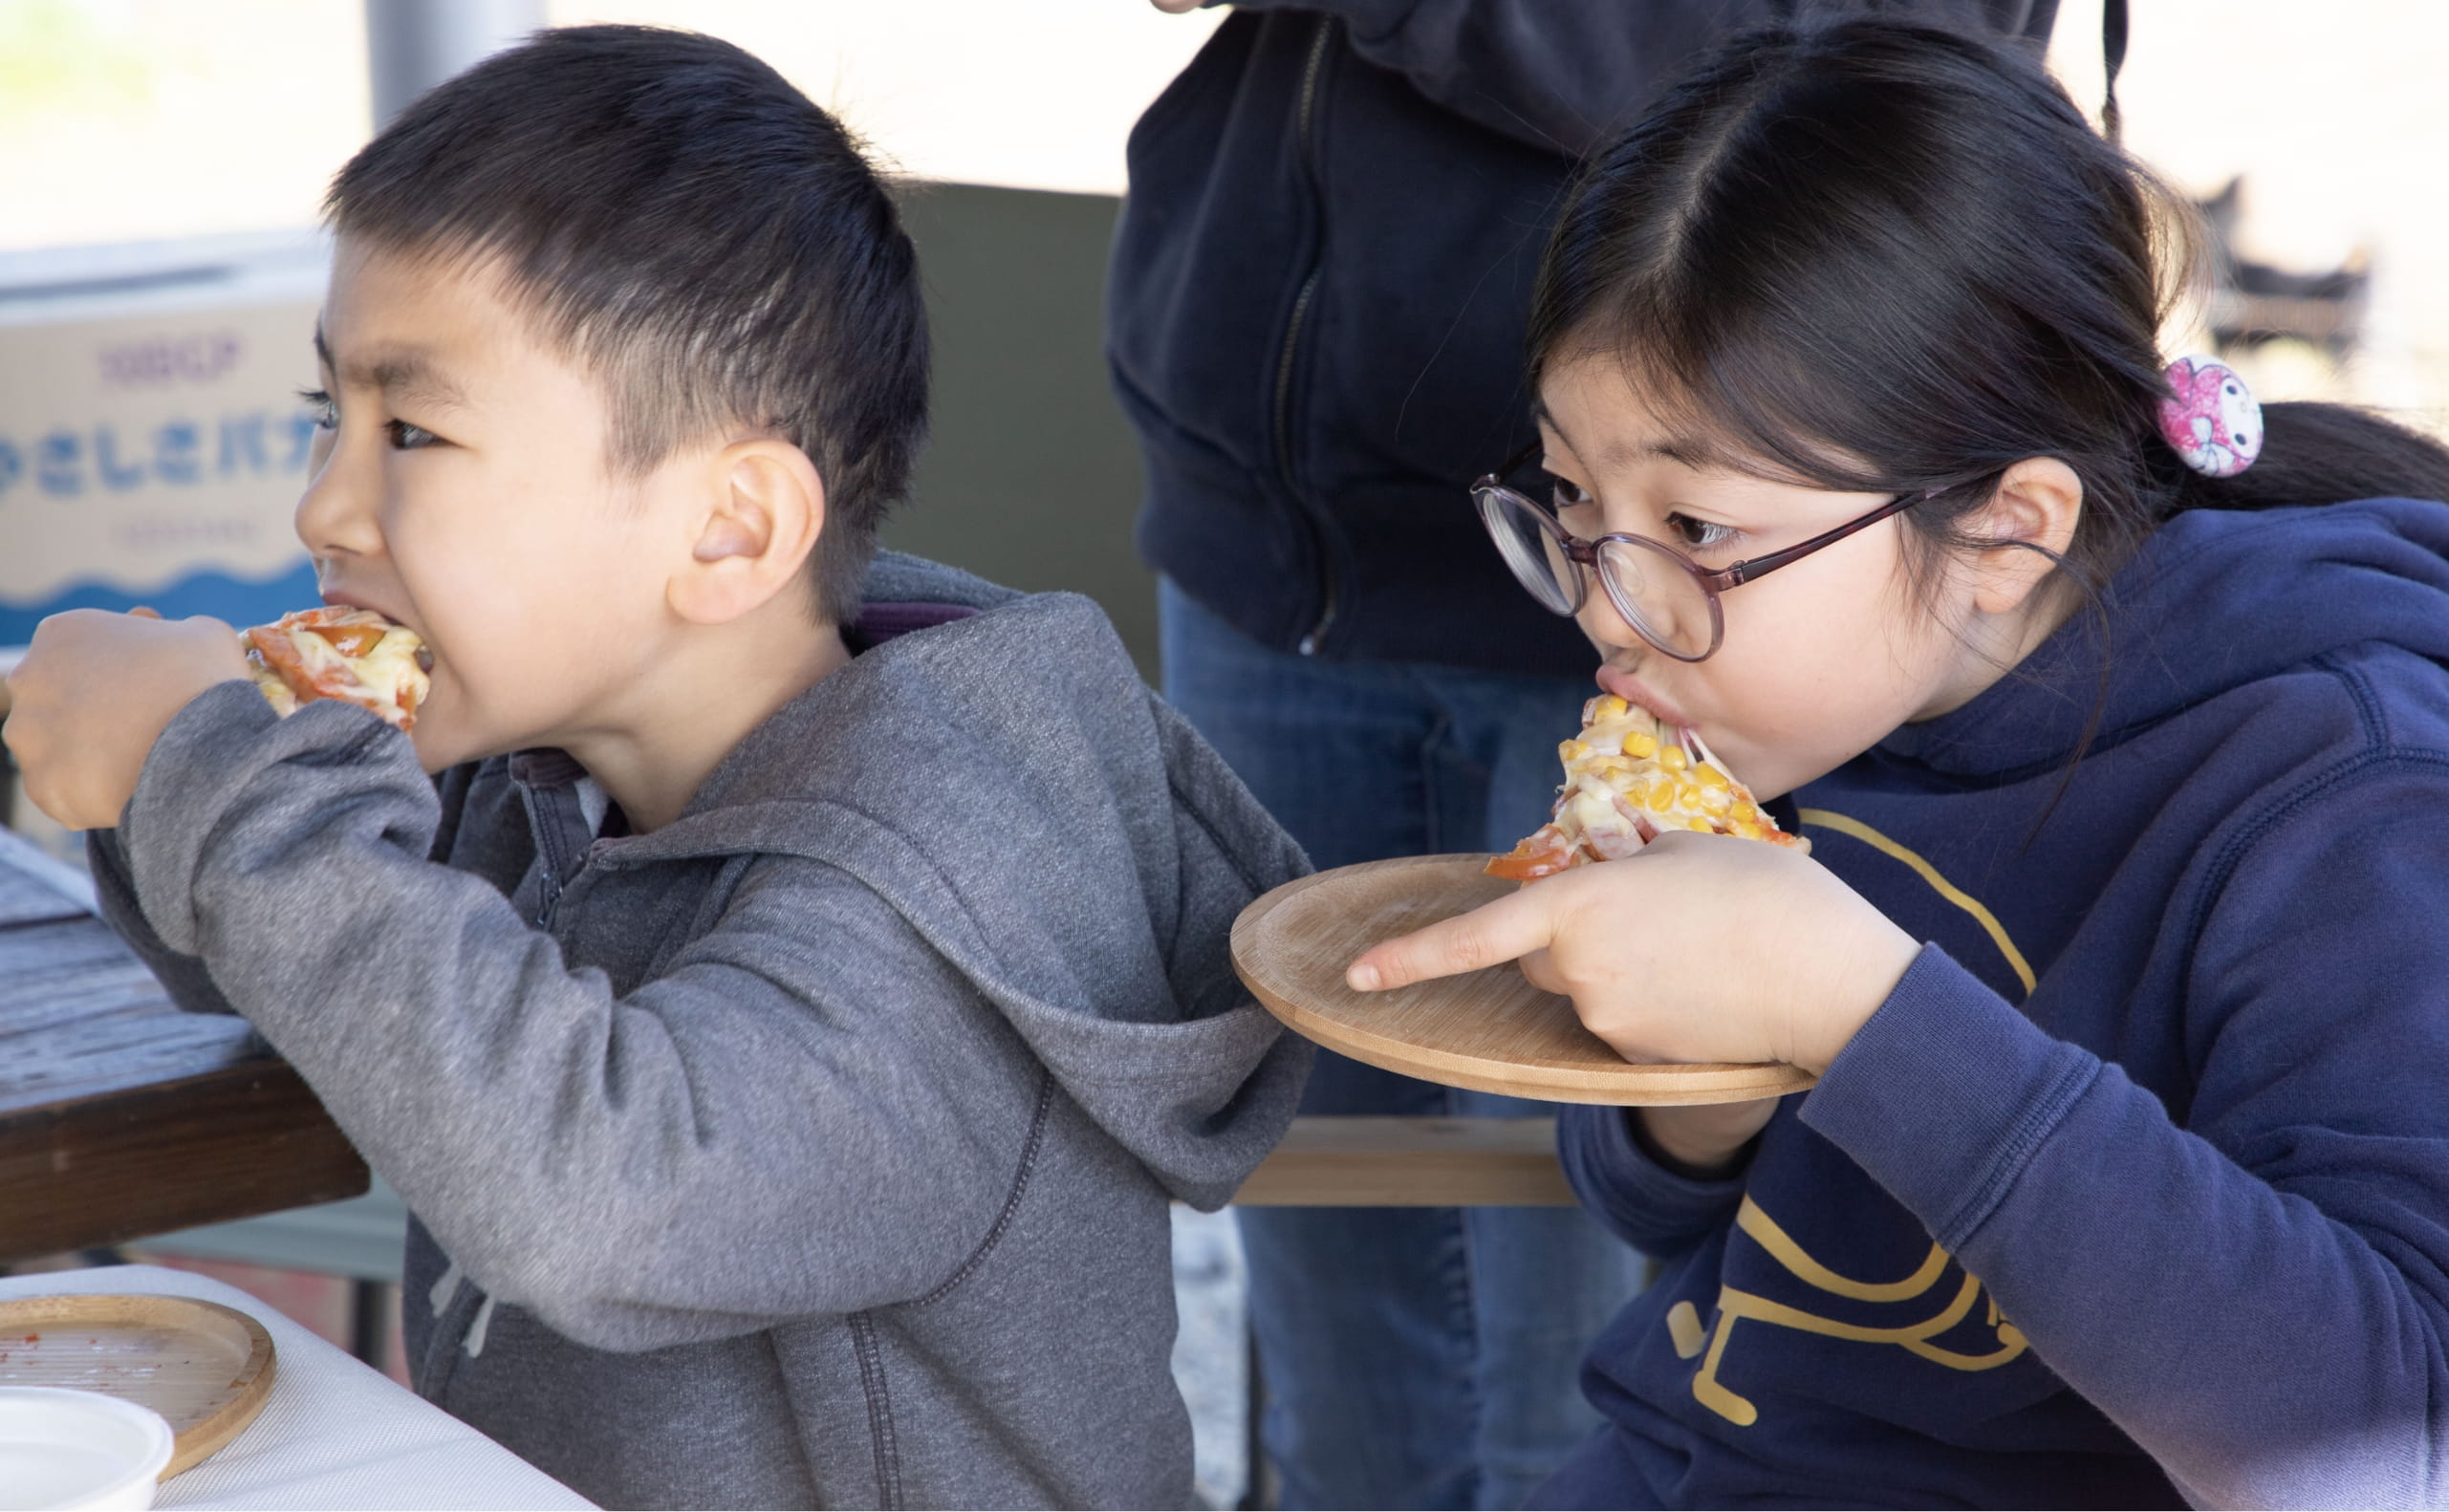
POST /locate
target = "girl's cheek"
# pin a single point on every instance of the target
(1790, 723)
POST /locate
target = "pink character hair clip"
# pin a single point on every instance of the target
(2210, 419)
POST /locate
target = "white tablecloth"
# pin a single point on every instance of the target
(334, 1434)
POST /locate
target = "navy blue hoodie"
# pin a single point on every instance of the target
(2136, 1189)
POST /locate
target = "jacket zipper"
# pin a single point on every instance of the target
(560, 867)
(1309, 643)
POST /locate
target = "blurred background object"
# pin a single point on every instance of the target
(2249, 305)
(2306, 144)
(151, 435)
(412, 44)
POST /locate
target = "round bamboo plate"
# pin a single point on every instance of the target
(205, 1368)
(1489, 1030)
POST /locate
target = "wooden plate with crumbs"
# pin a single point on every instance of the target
(205, 1368)
(1489, 1030)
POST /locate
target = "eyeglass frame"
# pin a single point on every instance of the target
(1584, 554)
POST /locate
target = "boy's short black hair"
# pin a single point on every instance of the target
(697, 232)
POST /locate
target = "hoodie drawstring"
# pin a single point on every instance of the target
(446, 1291)
(446, 1288)
(476, 1345)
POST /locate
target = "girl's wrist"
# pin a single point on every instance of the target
(1858, 991)
(1699, 1144)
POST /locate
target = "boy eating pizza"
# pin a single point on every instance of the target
(791, 999)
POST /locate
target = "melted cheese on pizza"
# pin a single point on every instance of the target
(1627, 781)
(269, 683)
(354, 655)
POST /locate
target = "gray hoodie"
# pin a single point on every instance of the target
(814, 1149)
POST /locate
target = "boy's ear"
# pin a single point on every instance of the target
(2037, 503)
(763, 508)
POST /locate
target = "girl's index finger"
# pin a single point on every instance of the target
(1511, 927)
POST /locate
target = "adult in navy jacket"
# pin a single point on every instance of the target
(1315, 326)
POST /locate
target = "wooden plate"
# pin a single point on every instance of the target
(1491, 1030)
(205, 1368)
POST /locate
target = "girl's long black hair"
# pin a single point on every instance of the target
(1879, 255)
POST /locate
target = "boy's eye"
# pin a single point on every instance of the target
(1699, 535)
(406, 437)
(318, 405)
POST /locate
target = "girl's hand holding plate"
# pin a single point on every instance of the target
(1701, 948)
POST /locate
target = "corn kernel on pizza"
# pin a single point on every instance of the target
(1629, 779)
(353, 654)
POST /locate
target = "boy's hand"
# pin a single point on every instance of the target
(92, 696)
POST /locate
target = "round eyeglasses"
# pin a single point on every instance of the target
(1669, 599)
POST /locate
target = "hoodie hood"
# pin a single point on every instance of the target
(2215, 600)
(1008, 785)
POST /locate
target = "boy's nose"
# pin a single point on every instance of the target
(337, 515)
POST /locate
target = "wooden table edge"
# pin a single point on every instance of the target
(261, 1063)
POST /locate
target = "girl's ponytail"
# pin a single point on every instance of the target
(2318, 454)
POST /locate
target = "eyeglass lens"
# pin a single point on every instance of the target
(1647, 583)
(1529, 545)
(1657, 594)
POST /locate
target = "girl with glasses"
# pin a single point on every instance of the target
(2120, 951)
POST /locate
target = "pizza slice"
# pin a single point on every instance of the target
(1627, 780)
(353, 654)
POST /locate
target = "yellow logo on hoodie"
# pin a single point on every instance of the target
(1916, 1335)
(1939, 1313)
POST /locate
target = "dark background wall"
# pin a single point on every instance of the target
(1033, 477)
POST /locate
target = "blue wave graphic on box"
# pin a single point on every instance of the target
(240, 601)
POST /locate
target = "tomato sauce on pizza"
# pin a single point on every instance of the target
(354, 655)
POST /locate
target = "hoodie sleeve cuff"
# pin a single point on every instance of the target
(1647, 1205)
(1945, 1094)
(201, 771)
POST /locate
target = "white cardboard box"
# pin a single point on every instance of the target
(152, 443)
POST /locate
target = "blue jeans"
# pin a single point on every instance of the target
(1412, 1357)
